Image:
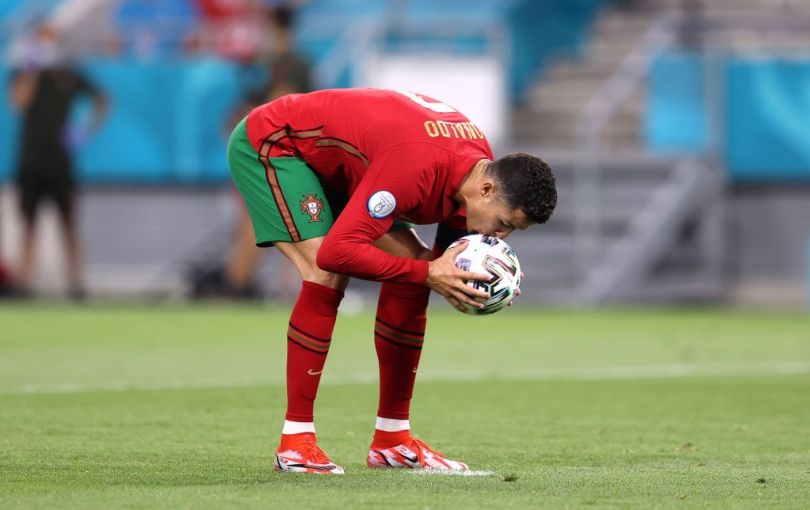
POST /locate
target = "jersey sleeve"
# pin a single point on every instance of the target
(395, 183)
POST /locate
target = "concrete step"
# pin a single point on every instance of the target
(629, 133)
(567, 91)
(556, 91)
(561, 130)
(613, 22)
(585, 68)
(570, 114)
(566, 143)
(759, 5)
(608, 141)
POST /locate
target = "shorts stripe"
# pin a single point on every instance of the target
(275, 188)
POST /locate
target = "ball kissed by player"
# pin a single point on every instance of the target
(335, 180)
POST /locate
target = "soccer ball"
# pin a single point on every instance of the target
(488, 254)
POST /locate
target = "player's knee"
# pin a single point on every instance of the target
(325, 278)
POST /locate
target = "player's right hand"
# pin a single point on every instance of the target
(446, 279)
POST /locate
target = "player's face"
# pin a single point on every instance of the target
(494, 217)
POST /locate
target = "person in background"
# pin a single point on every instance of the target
(693, 26)
(6, 285)
(43, 88)
(288, 71)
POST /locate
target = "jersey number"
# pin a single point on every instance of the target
(437, 107)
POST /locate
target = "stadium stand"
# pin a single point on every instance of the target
(670, 106)
(611, 93)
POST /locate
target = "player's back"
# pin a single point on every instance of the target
(341, 132)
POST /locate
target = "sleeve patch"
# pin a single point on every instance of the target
(381, 204)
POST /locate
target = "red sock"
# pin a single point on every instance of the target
(290, 441)
(308, 338)
(398, 335)
(383, 439)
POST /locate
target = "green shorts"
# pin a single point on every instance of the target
(284, 196)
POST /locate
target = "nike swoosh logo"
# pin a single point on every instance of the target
(413, 459)
(321, 467)
(314, 372)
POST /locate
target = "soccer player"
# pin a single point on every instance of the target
(335, 180)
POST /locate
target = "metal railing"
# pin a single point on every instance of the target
(600, 108)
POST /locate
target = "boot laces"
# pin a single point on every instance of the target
(420, 448)
(311, 452)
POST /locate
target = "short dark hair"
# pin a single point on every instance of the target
(527, 183)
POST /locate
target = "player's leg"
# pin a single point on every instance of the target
(29, 198)
(399, 332)
(398, 337)
(288, 209)
(309, 331)
(309, 337)
(243, 259)
(65, 198)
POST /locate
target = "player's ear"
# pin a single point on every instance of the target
(487, 188)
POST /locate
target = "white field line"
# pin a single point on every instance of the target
(439, 472)
(663, 371)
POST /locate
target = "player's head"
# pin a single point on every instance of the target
(283, 17)
(513, 192)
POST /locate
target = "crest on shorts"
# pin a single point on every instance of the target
(313, 206)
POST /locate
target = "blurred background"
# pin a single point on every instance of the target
(678, 130)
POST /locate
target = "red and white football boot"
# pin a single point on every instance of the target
(300, 453)
(412, 454)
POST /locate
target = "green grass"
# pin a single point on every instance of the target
(181, 408)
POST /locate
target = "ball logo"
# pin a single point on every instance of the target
(381, 204)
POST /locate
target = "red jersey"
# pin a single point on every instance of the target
(394, 154)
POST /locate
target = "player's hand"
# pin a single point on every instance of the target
(446, 279)
(517, 293)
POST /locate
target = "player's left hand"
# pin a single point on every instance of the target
(517, 292)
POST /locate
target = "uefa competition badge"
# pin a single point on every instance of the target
(381, 204)
(313, 206)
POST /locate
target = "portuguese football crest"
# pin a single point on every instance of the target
(313, 206)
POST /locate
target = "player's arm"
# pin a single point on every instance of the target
(100, 107)
(23, 87)
(390, 188)
(99, 101)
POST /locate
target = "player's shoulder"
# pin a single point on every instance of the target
(401, 99)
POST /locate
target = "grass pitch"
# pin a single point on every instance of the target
(181, 408)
